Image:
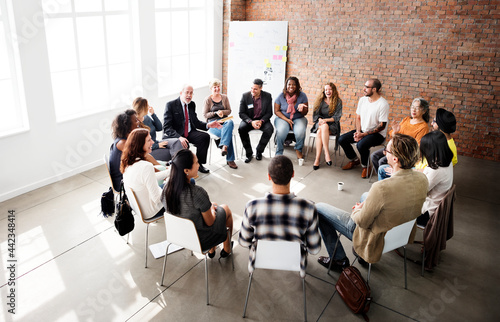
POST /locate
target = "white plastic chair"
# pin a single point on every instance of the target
(213, 138)
(396, 237)
(182, 232)
(277, 255)
(255, 132)
(313, 136)
(132, 198)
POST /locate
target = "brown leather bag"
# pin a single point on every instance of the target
(354, 290)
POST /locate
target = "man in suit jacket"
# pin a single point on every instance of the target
(175, 125)
(255, 112)
(389, 203)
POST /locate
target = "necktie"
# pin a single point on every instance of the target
(186, 121)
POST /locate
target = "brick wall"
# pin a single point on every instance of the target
(445, 51)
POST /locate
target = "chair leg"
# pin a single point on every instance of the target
(147, 231)
(164, 264)
(309, 146)
(127, 237)
(333, 255)
(423, 259)
(371, 174)
(406, 286)
(248, 293)
(231, 244)
(304, 291)
(369, 270)
(206, 275)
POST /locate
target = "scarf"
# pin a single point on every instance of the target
(291, 100)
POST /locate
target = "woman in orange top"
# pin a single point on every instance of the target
(415, 126)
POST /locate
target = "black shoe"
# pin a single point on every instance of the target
(211, 255)
(361, 261)
(329, 163)
(248, 159)
(202, 169)
(315, 167)
(337, 265)
(223, 253)
(258, 156)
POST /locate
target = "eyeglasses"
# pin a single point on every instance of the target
(416, 108)
(387, 151)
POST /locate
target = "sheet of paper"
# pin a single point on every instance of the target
(158, 250)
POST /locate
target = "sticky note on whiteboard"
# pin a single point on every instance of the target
(266, 61)
(268, 65)
(283, 59)
(277, 48)
(285, 47)
(250, 34)
(231, 44)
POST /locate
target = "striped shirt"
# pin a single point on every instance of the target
(281, 217)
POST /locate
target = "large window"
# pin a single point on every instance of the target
(12, 107)
(91, 55)
(184, 44)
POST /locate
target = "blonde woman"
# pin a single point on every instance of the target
(327, 111)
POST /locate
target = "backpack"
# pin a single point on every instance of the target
(108, 203)
(354, 291)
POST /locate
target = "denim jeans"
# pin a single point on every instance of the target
(226, 138)
(282, 128)
(363, 146)
(333, 220)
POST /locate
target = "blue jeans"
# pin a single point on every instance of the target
(333, 220)
(381, 172)
(282, 128)
(226, 138)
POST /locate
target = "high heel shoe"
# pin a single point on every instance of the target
(315, 167)
(329, 163)
(224, 254)
(211, 255)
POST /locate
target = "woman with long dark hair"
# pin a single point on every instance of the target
(291, 107)
(327, 111)
(184, 199)
(439, 171)
(140, 175)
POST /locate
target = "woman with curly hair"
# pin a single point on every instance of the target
(139, 174)
(327, 111)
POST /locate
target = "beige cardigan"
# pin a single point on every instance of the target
(390, 202)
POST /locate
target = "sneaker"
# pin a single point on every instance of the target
(337, 265)
(351, 164)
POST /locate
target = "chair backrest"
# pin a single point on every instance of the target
(106, 162)
(134, 203)
(278, 255)
(182, 232)
(398, 236)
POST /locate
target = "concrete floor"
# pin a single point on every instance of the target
(73, 266)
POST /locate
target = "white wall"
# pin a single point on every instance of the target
(51, 151)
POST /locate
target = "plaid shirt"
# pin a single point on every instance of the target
(281, 217)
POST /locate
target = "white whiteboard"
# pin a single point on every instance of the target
(257, 49)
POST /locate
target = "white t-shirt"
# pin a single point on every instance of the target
(440, 181)
(372, 114)
(141, 177)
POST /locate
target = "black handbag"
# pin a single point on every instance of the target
(124, 220)
(108, 203)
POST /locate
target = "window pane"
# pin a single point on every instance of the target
(61, 44)
(165, 77)
(179, 3)
(198, 67)
(95, 87)
(180, 69)
(66, 89)
(163, 38)
(88, 5)
(180, 33)
(51, 6)
(196, 3)
(111, 5)
(162, 4)
(198, 39)
(10, 109)
(121, 83)
(90, 41)
(4, 58)
(118, 37)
